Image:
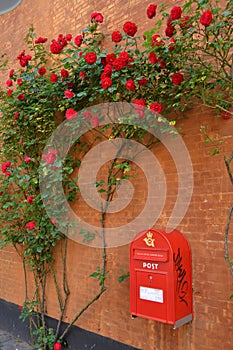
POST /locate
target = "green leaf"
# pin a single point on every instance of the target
(123, 277)
(95, 275)
(100, 183)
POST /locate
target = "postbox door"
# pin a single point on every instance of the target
(152, 295)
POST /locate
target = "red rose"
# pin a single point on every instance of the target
(70, 84)
(64, 73)
(31, 225)
(184, 22)
(55, 47)
(69, 94)
(103, 76)
(1, 193)
(9, 82)
(82, 75)
(142, 82)
(110, 58)
(177, 78)
(206, 18)
(106, 83)
(116, 36)
(5, 167)
(139, 102)
(130, 28)
(6, 164)
(226, 115)
(20, 97)
(57, 346)
(23, 60)
(175, 13)
(108, 70)
(171, 43)
(30, 199)
(19, 81)
(11, 73)
(78, 40)
(124, 56)
(62, 40)
(71, 113)
(16, 115)
(152, 57)
(156, 107)
(40, 40)
(90, 57)
(130, 85)
(93, 15)
(151, 11)
(53, 78)
(27, 159)
(156, 40)
(161, 63)
(169, 31)
(9, 92)
(97, 16)
(21, 54)
(118, 63)
(68, 37)
(42, 71)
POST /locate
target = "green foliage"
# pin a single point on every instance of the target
(47, 340)
(123, 277)
(100, 275)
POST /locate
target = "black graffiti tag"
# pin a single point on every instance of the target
(181, 283)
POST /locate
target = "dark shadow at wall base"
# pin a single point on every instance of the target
(77, 338)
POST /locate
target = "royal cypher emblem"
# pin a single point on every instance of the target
(149, 240)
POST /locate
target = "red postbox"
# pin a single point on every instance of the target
(161, 277)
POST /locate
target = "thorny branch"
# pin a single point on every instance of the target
(226, 234)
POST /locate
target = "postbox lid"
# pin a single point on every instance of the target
(159, 239)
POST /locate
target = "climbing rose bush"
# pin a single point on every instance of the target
(182, 59)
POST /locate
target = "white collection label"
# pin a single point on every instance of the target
(151, 294)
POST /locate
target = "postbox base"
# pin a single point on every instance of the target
(183, 321)
(177, 324)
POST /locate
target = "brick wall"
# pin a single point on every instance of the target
(203, 224)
